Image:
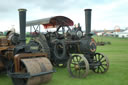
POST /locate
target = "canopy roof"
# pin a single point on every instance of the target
(51, 22)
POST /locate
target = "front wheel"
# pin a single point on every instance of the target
(78, 66)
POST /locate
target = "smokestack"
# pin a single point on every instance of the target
(88, 20)
(22, 22)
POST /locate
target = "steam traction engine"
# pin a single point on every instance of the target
(87, 58)
(23, 63)
(69, 47)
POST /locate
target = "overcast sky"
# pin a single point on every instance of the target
(106, 14)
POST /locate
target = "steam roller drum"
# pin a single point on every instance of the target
(35, 66)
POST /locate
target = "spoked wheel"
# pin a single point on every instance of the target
(78, 66)
(40, 44)
(101, 63)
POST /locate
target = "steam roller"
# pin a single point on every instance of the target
(30, 67)
(41, 65)
(22, 62)
(34, 71)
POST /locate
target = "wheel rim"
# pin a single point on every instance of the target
(78, 66)
(101, 63)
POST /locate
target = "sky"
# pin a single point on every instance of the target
(106, 14)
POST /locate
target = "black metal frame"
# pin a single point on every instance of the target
(37, 28)
(28, 75)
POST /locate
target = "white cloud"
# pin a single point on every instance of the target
(105, 13)
(110, 14)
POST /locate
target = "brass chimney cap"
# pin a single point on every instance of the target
(22, 9)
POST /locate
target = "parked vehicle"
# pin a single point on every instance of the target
(68, 46)
(25, 64)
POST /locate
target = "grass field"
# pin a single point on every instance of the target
(117, 74)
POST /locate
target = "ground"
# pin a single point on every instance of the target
(117, 74)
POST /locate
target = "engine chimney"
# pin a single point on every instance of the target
(22, 23)
(88, 21)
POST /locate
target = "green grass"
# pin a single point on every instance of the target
(117, 74)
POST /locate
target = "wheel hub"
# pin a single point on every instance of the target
(77, 67)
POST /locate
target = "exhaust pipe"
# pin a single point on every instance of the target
(22, 23)
(88, 21)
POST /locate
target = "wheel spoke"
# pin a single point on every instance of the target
(73, 60)
(103, 68)
(104, 64)
(100, 69)
(96, 70)
(77, 59)
(101, 58)
(103, 61)
(72, 67)
(79, 72)
(96, 58)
